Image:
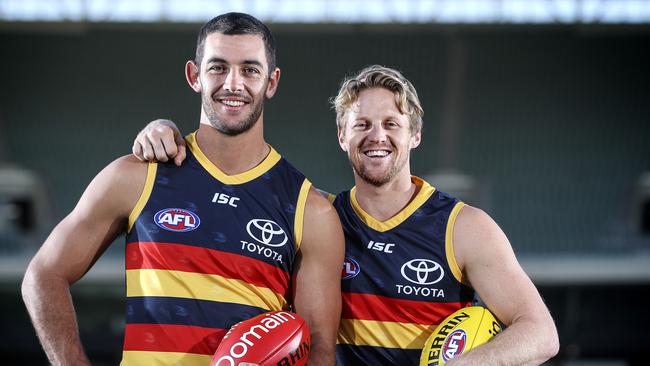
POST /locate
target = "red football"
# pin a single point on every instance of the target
(276, 338)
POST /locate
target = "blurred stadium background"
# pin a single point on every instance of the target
(537, 111)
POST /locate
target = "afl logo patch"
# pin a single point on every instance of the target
(177, 219)
(350, 268)
(454, 344)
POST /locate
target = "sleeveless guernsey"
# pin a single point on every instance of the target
(400, 278)
(206, 250)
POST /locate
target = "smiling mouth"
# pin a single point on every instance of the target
(232, 100)
(232, 103)
(376, 153)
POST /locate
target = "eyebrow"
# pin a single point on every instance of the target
(245, 62)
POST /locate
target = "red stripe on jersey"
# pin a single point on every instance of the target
(382, 308)
(187, 258)
(172, 338)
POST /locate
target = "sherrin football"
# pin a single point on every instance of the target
(277, 338)
(460, 332)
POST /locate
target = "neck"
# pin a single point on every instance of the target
(233, 154)
(388, 200)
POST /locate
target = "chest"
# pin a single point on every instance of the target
(190, 207)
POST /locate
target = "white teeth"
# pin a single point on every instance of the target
(232, 103)
(372, 153)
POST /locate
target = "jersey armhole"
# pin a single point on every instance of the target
(300, 212)
(144, 196)
(449, 243)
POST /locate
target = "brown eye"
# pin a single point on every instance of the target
(217, 68)
(360, 124)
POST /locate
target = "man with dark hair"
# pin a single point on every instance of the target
(414, 255)
(234, 232)
(237, 24)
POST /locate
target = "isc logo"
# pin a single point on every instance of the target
(381, 247)
(177, 219)
(225, 199)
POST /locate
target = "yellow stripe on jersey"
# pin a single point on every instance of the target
(300, 211)
(144, 196)
(383, 334)
(449, 243)
(156, 282)
(247, 176)
(425, 192)
(130, 358)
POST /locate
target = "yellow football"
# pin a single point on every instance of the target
(460, 332)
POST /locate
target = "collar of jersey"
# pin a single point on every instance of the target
(269, 161)
(423, 194)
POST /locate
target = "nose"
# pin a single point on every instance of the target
(233, 82)
(377, 134)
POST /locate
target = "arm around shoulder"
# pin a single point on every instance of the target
(317, 286)
(489, 265)
(71, 249)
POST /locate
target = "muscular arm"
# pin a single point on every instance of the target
(71, 249)
(489, 264)
(318, 277)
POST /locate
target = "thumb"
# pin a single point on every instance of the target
(181, 145)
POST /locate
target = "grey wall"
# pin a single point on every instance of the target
(555, 121)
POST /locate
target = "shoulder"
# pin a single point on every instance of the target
(117, 187)
(123, 174)
(128, 165)
(476, 235)
(322, 231)
(321, 219)
(472, 223)
(318, 202)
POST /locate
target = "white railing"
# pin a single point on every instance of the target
(335, 11)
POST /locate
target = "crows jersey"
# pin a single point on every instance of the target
(400, 278)
(206, 250)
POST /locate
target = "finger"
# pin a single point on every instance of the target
(159, 150)
(168, 141)
(137, 151)
(178, 160)
(148, 152)
(181, 150)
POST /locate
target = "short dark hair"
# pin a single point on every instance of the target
(235, 24)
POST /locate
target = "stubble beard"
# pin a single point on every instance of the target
(238, 128)
(377, 181)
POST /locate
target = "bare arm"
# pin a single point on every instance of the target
(489, 264)
(318, 277)
(71, 249)
(160, 140)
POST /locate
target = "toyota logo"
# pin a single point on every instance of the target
(422, 271)
(266, 232)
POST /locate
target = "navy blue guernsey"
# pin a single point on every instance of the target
(400, 278)
(206, 250)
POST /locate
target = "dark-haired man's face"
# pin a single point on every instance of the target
(234, 82)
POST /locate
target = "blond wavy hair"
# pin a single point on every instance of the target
(406, 98)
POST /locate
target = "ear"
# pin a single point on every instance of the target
(274, 80)
(342, 140)
(415, 140)
(192, 75)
